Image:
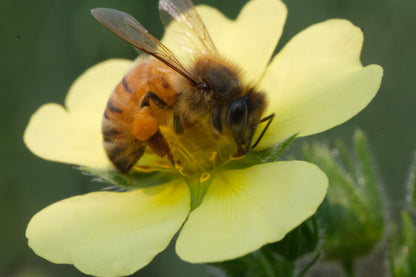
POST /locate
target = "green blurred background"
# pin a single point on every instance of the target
(46, 44)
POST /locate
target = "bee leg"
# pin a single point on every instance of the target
(150, 95)
(159, 145)
(269, 119)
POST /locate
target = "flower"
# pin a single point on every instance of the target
(316, 82)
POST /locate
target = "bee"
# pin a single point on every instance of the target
(160, 92)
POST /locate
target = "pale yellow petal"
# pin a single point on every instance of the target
(89, 93)
(110, 233)
(248, 41)
(317, 81)
(245, 209)
(72, 134)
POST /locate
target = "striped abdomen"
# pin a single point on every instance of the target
(121, 146)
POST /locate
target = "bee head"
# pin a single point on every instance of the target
(241, 117)
(236, 108)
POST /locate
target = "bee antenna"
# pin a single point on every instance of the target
(269, 119)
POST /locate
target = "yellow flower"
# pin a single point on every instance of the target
(316, 82)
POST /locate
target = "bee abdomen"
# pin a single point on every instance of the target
(122, 148)
(124, 155)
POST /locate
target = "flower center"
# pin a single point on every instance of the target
(199, 149)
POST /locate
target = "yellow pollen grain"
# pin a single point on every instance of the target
(204, 177)
(144, 168)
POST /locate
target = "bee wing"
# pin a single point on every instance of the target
(129, 29)
(189, 21)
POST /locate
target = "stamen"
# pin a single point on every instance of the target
(204, 177)
(144, 168)
(214, 156)
(163, 164)
(179, 166)
(180, 148)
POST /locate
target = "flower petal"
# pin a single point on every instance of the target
(248, 41)
(110, 233)
(317, 81)
(245, 209)
(73, 135)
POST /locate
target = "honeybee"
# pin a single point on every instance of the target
(175, 108)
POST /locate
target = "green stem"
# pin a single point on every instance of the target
(348, 267)
(310, 264)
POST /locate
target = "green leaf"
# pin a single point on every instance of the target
(131, 181)
(270, 154)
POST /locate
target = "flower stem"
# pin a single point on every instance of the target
(310, 264)
(348, 266)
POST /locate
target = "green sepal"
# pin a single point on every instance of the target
(302, 240)
(366, 179)
(353, 210)
(198, 188)
(133, 180)
(270, 154)
(403, 249)
(261, 263)
(402, 252)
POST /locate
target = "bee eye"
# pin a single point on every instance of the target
(237, 115)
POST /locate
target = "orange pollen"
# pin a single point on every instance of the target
(144, 125)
